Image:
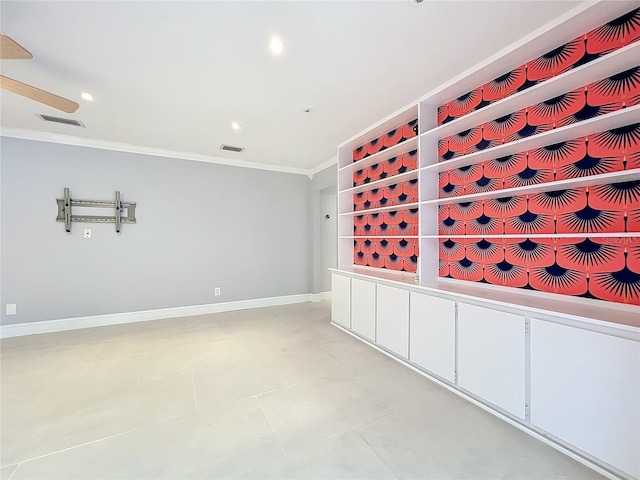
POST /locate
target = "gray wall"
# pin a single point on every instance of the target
(325, 239)
(200, 226)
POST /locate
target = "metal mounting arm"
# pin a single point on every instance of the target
(66, 204)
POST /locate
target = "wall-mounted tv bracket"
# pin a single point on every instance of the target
(65, 206)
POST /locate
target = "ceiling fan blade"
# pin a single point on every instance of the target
(10, 50)
(38, 95)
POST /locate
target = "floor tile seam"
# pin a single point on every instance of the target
(375, 452)
(144, 356)
(96, 353)
(325, 351)
(97, 440)
(14, 470)
(315, 379)
(336, 435)
(193, 384)
(271, 426)
(95, 392)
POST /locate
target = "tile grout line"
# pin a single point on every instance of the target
(352, 429)
(94, 355)
(270, 426)
(115, 435)
(320, 347)
(193, 383)
(144, 357)
(84, 444)
(377, 454)
(14, 470)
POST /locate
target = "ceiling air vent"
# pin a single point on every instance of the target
(229, 148)
(66, 121)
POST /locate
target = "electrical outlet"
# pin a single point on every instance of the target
(11, 309)
(87, 233)
(217, 291)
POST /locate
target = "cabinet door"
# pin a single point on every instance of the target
(363, 308)
(491, 356)
(393, 319)
(341, 300)
(432, 338)
(585, 389)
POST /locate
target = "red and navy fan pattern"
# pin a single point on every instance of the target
(605, 152)
(392, 253)
(387, 239)
(394, 137)
(609, 37)
(601, 268)
(599, 98)
(405, 162)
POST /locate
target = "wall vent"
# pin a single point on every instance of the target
(229, 148)
(66, 121)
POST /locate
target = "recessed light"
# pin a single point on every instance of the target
(87, 96)
(236, 125)
(307, 110)
(276, 45)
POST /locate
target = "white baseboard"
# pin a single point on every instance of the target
(48, 326)
(318, 297)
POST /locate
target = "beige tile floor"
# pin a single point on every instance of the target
(267, 393)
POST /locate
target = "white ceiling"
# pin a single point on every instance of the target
(174, 75)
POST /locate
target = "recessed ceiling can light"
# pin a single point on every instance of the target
(235, 125)
(276, 45)
(87, 96)
(307, 110)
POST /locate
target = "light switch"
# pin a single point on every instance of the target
(11, 309)
(87, 233)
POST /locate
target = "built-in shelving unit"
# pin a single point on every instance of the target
(613, 177)
(521, 353)
(609, 121)
(430, 165)
(603, 67)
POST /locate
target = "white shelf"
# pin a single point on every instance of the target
(403, 177)
(389, 208)
(391, 122)
(603, 67)
(619, 118)
(586, 311)
(543, 235)
(613, 177)
(393, 237)
(398, 149)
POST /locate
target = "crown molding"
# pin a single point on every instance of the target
(40, 136)
(321, 166)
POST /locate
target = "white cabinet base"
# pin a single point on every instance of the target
(491, 356)
(585, 390)
(393, 319)
(363, 308)
(432, 343)
(341, 300)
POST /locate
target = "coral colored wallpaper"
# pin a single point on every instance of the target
(605, 267)
(605, 96)
(384, 251)
(394, 137)
(584, 49)
(604, 152)
(602, 268)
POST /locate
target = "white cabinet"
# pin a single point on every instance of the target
(585, 389)
(393, 319)
(341, 300)
(491, 356)
(363, 308)
(432, 343)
